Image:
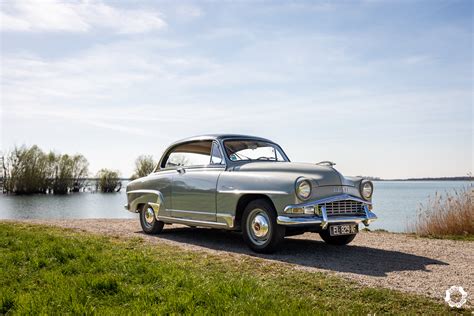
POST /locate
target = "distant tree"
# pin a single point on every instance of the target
(29, 170)
(26, 170)
(80, 170)
(62, 180)
(144, 165)
(69, 172)
(108, 181)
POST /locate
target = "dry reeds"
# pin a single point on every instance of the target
(448, 215)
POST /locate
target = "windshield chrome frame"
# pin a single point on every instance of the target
(278, 147)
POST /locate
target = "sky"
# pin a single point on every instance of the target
(382, 88)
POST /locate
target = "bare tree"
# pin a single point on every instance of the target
(144, 165)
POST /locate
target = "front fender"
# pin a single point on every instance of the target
(279, 187)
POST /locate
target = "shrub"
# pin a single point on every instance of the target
(108, 181)
(449, 215)
(29, 170)
(68, 173)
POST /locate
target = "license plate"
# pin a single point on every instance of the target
(345, 229)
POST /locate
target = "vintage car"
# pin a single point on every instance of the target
(248, 184)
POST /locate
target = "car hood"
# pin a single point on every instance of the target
(323, 175)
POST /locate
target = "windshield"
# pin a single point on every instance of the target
(242, 150)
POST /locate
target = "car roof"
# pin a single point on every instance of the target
(220, 137)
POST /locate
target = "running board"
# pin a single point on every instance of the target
(229, 222)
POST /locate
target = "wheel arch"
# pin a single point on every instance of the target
(138, 198)
(244, 200)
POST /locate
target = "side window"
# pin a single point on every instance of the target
(216, 156)
(189, 154)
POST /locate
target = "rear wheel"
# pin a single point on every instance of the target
(336, 240)
(148, 221)
(259, 227)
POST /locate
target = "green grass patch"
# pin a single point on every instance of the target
(467, 237)
(53, 271)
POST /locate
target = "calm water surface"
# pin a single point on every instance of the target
(395, 203)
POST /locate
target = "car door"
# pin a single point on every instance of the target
(193, 193)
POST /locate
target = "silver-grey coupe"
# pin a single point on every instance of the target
(248, 184)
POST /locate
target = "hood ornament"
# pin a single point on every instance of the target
(326, 163)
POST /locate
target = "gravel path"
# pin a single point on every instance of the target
(396, 261)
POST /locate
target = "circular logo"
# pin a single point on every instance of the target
(453, 290)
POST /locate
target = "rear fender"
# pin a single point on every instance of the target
(154, 198)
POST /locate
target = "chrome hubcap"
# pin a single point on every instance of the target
(258, 225)
(149, 216)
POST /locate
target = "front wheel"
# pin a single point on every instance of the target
(148, 221)
(259, 227)
(336, 240)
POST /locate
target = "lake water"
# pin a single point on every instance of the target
(395, 203)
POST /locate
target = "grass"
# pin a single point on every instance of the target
(46, 270)
(450, 216)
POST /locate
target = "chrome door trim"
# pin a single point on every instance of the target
(191, 222)
(192, 212)
(223, 219)
(252, 192)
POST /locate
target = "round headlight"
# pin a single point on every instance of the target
(366, 189)
(303, 189)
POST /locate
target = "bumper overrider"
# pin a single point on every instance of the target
(315, 213)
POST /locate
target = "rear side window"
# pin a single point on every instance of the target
(189, 154)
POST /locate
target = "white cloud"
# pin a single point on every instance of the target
(78, 16)
(188, 11)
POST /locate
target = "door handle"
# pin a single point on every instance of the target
(181, 170)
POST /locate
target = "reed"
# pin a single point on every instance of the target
(447, 215)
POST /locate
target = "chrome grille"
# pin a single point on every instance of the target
(344, 207)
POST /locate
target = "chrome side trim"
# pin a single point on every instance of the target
(252, 192)
(145, 191)
(174, 220)
(227, 218)
(192, 212)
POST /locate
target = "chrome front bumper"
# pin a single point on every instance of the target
(323, 219)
